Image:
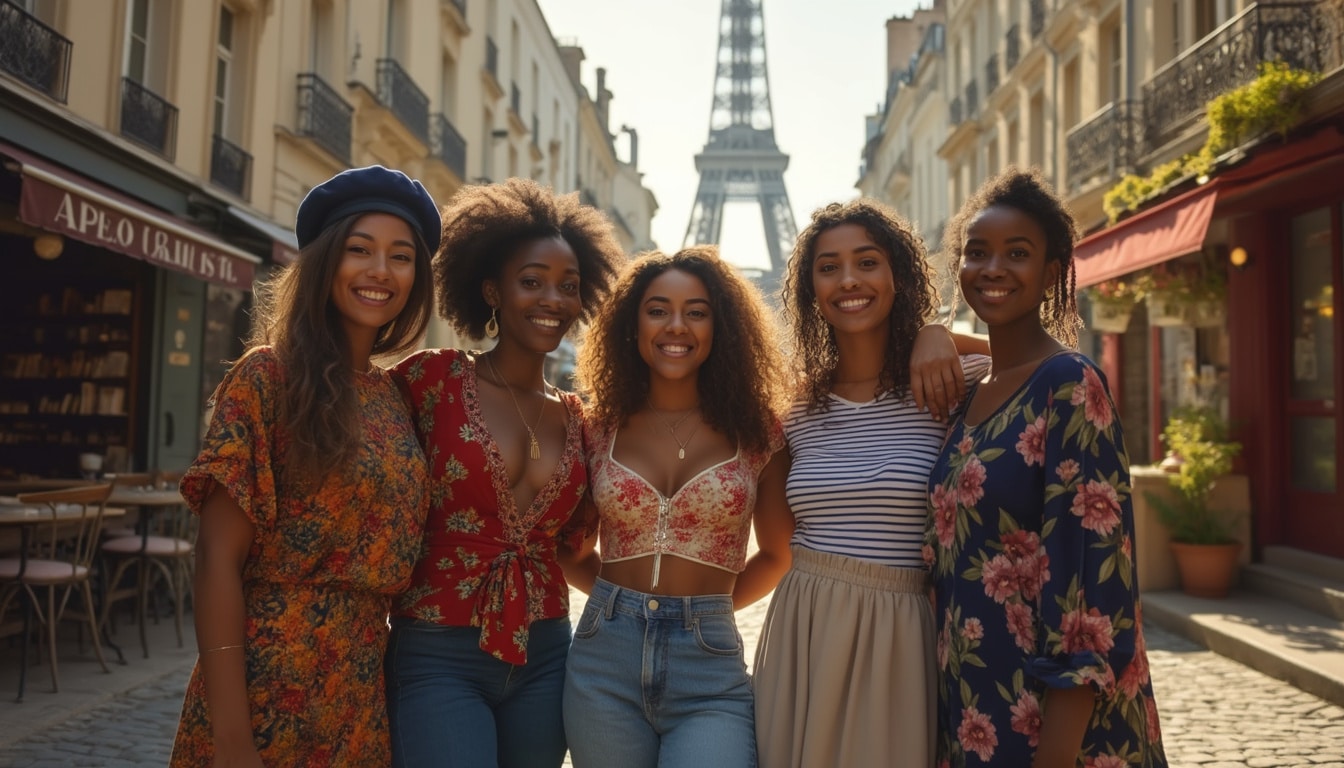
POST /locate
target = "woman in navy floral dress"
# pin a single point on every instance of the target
(1040, 638)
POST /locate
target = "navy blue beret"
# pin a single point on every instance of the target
(373, 189)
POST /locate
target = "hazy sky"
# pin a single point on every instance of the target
(827, 62)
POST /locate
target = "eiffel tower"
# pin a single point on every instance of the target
(741, 160)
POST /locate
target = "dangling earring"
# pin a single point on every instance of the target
(492, 325)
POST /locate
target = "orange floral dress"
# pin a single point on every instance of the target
(319, 580)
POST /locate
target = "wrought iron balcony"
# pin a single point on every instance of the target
(449, 146)
(1304, 35)
(1037, 18)
(1109, 143)
(1012, 47)
(972, 100)
(231, 167)
(399, 93)
(491, 57)
(148, 118)
(991, 73)
(954, 111)
(324, 116)
(516, 100)
(33, 52)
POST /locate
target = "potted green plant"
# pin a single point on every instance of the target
(1202, 539)
(1112, 303)
(1208, 289)
(1169, 291)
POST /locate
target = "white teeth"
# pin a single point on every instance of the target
(373, 295)
(546, 322)
(676, 349)
(995, 293)
(853, 303)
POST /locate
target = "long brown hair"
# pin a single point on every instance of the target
(320, 407)
(741, 383)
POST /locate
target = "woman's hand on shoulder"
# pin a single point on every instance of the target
(936, 379)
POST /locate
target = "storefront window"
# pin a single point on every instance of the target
(226, 330)
(1313, 454)
(1313, 307)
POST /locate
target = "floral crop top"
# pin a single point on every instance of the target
(707, 520)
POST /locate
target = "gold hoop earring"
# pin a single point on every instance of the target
(492, 325)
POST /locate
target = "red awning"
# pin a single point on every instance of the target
(1171, 229)
(59, 200)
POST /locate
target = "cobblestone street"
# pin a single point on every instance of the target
(1215, 714)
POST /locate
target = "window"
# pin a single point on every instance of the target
(137, 41)
(1013, 139)
(1072, 108)
(223, 72)
(448, 88)
(145, 56)
(1036, 125)
(395, 31)
(320, 49)
(1113, 63)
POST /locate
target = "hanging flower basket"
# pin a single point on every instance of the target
(1166, 311)
(1110, 318)
(1209, 313)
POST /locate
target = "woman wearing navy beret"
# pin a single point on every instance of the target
(312, 491)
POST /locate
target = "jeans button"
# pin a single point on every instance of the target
(653, 605)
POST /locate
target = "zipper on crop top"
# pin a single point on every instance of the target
(660, 535)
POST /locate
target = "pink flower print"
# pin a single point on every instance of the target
(944, 516)
(1091, 394)
(972, 629)
(1031, 442)
(977, 734)
(1098, 505)
(964, 446)
(999, 575)
(1067, 470)
(1026, 718)
(926, 552)
(1086, 631)
(1135, 676)
(1127, 547)
(1020, 544)
(970, 482)
(945, 641)
(1154, 725)
(1032, 574)
(1106, 761)
(1022, 625)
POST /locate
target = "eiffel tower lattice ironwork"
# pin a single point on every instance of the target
(741, 161)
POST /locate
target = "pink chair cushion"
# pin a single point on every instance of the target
(155, 546)
(42, 571)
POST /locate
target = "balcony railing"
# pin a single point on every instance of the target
(230, 167)
(449, 146)
(324, 116)
(1037, 18)
(1304, 35)
(516, 100)
(491, 57)
(1012, 47)
(991, 74)
(1109, 143)
(954, 111)
(33, 52)
(399, 93)
(972, 100)
(148, 118)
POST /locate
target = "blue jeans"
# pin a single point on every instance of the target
(660, 681)
(452, 705)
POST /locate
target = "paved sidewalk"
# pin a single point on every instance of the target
(1215, 713)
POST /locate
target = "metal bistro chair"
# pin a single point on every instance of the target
(57, 555)
(162, 548)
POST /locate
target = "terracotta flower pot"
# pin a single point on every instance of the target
(1207, 570)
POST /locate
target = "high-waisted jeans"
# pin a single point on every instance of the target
(654, 680)
(452, 705)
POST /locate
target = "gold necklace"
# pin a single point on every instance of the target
(672, 428)
(534, 447)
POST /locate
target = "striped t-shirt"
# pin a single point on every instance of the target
(859, 482)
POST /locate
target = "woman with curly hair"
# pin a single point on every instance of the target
(684, 380)
(476, 663)
(310, 487)
(844, 669)
(1041, 658)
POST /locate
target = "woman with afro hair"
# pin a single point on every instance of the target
(684, 379)
(476, 663)
(844, 669)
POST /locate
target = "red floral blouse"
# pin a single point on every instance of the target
(485, 563)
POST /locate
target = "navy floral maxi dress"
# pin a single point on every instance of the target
(1030, 540)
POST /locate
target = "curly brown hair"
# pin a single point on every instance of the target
(295, 314)
(742, 382)
(815, 352)
(485, 224)
(1029, 192)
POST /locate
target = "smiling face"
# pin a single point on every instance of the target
(676, 326)
(852, 277)
(1004, 272)
(375, 275)
(537, 295)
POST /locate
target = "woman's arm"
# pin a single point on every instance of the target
(581, 565)
(1065, 713)
(773, 523)
(222, 546)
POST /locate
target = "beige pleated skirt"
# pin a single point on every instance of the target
(844, 672)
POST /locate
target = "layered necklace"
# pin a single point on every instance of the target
(534, 447)
(672, 429)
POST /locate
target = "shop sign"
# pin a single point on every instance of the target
(60, 210)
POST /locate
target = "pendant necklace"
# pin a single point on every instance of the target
(672, 428)
(534, 448)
